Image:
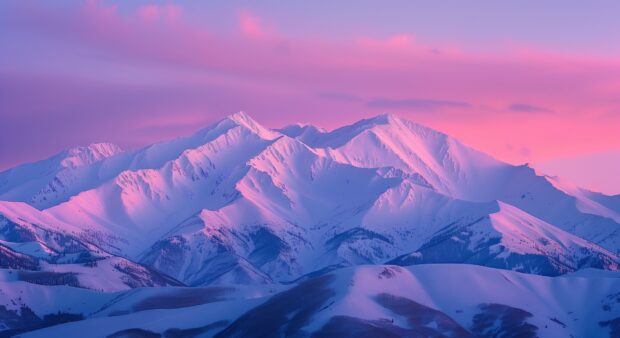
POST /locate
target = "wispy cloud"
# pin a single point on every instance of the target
(120, 68)
(339, 96)
(153, 12)
(528, 108)
(418, 104)
(251, 25)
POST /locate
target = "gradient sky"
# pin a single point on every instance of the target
(527, 81)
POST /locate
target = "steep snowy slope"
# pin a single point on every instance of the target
(287, 199)
(11, 259)
(511, 239)
(588, 201)
(42, 250)
(370, 301)
(105, 274)
(49, 181)
(610, 202)
(27, 230)
(538, 196)
(401, 217)
(389, 141)
(140, 205)
(456, 170)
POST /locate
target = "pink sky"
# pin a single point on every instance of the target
(74, 73)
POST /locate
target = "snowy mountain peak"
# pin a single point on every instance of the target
(48, 181)
(385, 118)
(301, 130)
(389, 119)
(389, 124)
(92, 153)
(306, 133)
(244, 120)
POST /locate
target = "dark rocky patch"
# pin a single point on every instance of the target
(65, 244)
(10, 259)
(557, 321)
(498, 320)
(443, 248)
(318, 273)
(389, 272)
(345, 326)
(88, 259)
(194, 332)
(170, 333)
(167, 254)
(141, 276)
(353, 235)
(182, 298)
(49, 278)
(285, 314)
(170, 255)
(227, 263)
(135, 333)
(16, 320)
(423, 320)
(613, 325)
(453, 245)
(13, 232)
(595, 260)
(60, 243)
(267, 247)
(363, 246)
(26, 320)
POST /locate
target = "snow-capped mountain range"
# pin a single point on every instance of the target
(272, 210)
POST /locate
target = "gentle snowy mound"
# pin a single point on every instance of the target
(240, 204)
(365, 301)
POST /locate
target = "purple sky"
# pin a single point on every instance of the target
(527, 81)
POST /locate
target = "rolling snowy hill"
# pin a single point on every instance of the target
(365, 301)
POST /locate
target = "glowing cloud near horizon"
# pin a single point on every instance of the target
(131, 74)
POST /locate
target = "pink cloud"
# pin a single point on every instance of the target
(149, 12)
(250, 25)
(401, 40)
(395, 41)
(96, 8)
(551, 103)
(152, 12)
